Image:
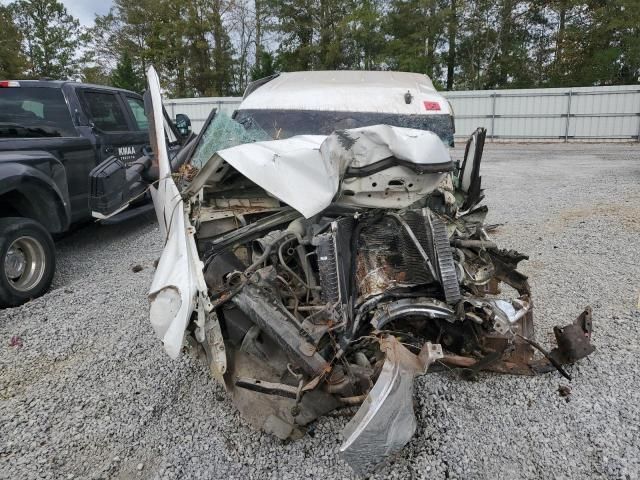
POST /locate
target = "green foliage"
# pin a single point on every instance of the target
(125, 76)
(95, 74)
(187, 43)
(12, 61)
(215, 47)
(416, 30)
(264, 66)
(51, 38)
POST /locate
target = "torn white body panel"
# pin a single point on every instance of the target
(386, 167)
(306, 171)
(360, 147)
(178, 277)
(291, 170)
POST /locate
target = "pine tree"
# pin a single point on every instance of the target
(417, 35)
(125, 76)
(264, 67)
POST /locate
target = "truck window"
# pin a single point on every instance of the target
(31, 112)
(105, 111)
(137, 107)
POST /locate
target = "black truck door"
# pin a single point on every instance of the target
(135, 107)
(116, 129)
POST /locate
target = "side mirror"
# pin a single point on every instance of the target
(183, 124)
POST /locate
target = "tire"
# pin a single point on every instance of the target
(27, 260)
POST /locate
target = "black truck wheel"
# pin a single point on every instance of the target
(27, 260)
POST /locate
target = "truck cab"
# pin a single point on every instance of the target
(52, 134)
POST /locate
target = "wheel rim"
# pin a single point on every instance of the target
(24, 263)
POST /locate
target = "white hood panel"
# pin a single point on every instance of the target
(291, 170)
(305, 171)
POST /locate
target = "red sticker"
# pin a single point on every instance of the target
(431, 105)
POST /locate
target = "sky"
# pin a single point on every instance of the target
(83, 10)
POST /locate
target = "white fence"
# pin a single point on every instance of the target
(198, 109)
(549, 114)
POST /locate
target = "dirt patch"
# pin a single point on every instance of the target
(626, 213)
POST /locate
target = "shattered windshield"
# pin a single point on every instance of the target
(280, 124)
(221, 133)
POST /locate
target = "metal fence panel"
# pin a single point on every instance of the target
(198, 109)
(584, 113)
(556, 114)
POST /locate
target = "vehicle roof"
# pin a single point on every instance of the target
(345, 90)
(62, 83)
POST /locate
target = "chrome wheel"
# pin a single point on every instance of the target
(24, 263)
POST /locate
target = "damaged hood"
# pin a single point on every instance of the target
(306, 171)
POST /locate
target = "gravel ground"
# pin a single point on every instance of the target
(90, 393)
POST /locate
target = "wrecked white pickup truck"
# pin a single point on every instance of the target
(330, 265)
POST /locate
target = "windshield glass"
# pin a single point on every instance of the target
(221, 133)
(280, 124)
(34, 112)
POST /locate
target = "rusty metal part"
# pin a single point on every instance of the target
(503, 366)
(574, 340)
(486, 244)
(272, 321)
(215, 348)
(411, 307)
(416, 242)
(573, 344)
(356, 400)
(374, 275)
(276, 414)
(269, 388)
(556, 364)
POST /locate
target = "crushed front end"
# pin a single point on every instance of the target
(331, 271)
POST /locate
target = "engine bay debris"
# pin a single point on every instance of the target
(317, 272)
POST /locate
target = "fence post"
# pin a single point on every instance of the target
(638, 116)
(566, 126)
(493, 115)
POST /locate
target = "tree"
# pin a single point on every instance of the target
(364, 36)
(95, 75)
(187, 42)
(51, 37)
(215, 47)
(12, 61)
(125, 76)
(264, 67)
(416, 36)
(223, 62)
(604, 49)
(452, 31)
(295, 27)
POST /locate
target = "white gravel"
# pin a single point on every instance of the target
(90, 394)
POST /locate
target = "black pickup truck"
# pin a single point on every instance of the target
(52, 134)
